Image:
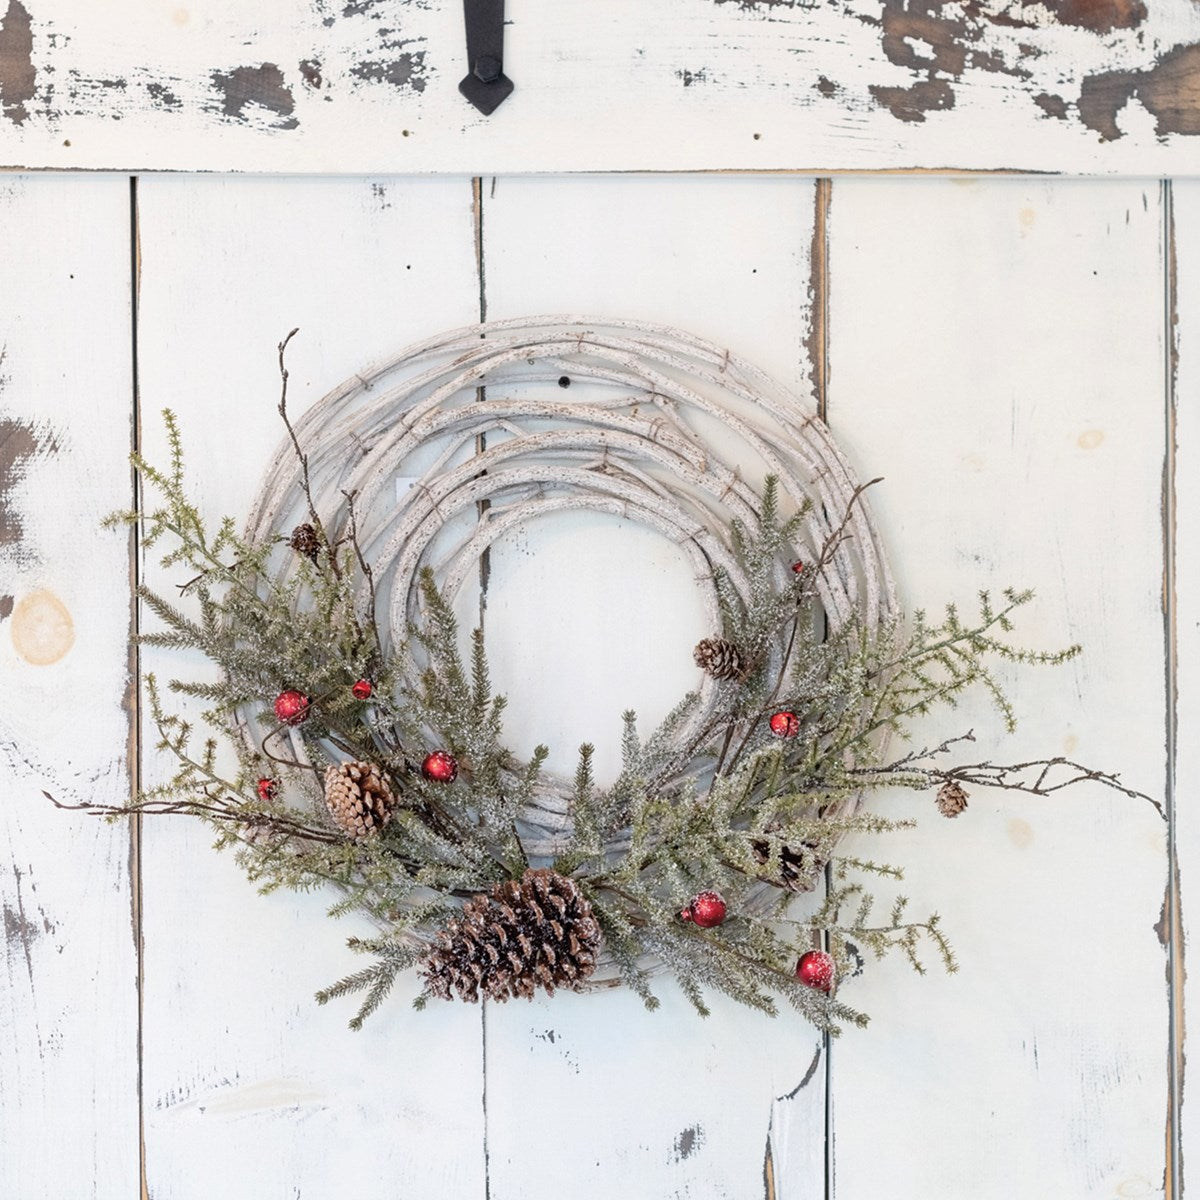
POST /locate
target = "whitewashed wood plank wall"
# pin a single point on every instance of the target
(1001, 350)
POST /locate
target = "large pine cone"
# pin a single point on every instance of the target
(359, 798)
(798, 869)
(539, 933)
(720, 658)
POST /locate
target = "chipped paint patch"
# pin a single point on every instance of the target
(161, 96)
(6, 607)
(1052, 105)
(20, 931)
(261, 87)
(1169, 91)
(404, 70)
(688, 1142)
(20, 445)
(18, 75)
(43, 631)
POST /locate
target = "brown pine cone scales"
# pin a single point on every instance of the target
(720, 658)
(538, 933)
(951, 799)
(798, 871)
(304, 540)
(359, 798)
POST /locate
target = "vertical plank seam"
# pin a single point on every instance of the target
(135, 672)
(819, 297)
(1173, 1180)
(484, 577)
(817, 342)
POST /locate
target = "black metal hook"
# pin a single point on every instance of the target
(486, 85)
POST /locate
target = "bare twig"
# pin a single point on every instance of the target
(301, 456)
(1035, 777)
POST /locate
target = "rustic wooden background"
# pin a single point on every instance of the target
(1018, 356)
(1002, 350)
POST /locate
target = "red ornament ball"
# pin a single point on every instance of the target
(362, 689)
(440, 766)
(798, 567)
(267, 788)
(707, 909)
(816, 970)
(292, 707)
(784, 724)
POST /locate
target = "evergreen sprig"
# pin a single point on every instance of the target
(730, 808)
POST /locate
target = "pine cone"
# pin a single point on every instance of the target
(720, 658)
(304, 540)
(951, 799)
(522, 936)
(798, 868)
(359, 798)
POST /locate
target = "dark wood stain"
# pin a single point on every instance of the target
(912, 103)
(1169, 91)
(20, 444)
(939, 41)
(688, 1142)
(161, 95)
(18, 75)
(1100, 16)
(262, 86)
(1051, 105)
(404, 70)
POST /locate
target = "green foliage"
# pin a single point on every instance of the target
(733, 809)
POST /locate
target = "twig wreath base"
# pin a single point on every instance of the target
(369, 750)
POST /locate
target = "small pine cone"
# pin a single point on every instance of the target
(304, 540)
(720, 658)
(951, 799)
(798, 869)
(359, 798)
(539, 933)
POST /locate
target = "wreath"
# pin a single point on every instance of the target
(353, 742)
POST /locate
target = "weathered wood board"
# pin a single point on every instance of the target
(662, 1103)
(69, 984)
(1076, 86)
(1002, 364)
(1183, 598)
(268, 1093)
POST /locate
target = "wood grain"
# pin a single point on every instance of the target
(68, 988)
(997, 351)
(1076, 86)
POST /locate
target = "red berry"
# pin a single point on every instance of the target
(440, 766)
(291, 707)
(816, 970)
(707, 909)
(784, 724)
(267, 789)
(362, 689)
(798, 566)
